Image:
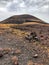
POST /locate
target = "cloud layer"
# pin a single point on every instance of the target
(39, 8)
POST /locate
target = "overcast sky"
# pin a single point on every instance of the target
(38, 8)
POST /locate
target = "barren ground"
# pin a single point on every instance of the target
(14, 38)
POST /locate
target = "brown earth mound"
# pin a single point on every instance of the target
(19, 19)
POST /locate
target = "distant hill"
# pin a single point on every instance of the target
(19, 19)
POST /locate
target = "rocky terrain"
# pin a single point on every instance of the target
(24, 44)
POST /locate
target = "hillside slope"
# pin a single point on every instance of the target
(19, 19)
(24, 44)
(24, 40)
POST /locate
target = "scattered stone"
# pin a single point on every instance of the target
(18, 51)
(16, 63)
(9, 39)
(36, 38)
(12, 53)
(28, 37)
(1, 49)
(15, 60)
(42, 36)
(30, 63)
(48, 55)
(1, 54)
(35, 56)
(32, 36)
(7, 50)
(45, 48)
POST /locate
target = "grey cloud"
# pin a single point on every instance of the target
(40, 7)
(28, 4)
(6, 0)
(3, 3)
(15, 7)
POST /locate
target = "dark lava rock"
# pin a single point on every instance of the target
(36, 38)
(28, 37)
(1, 54)
(32, 36)
(15, 60)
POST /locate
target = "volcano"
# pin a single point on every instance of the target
(24, 40)
(19, 19)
